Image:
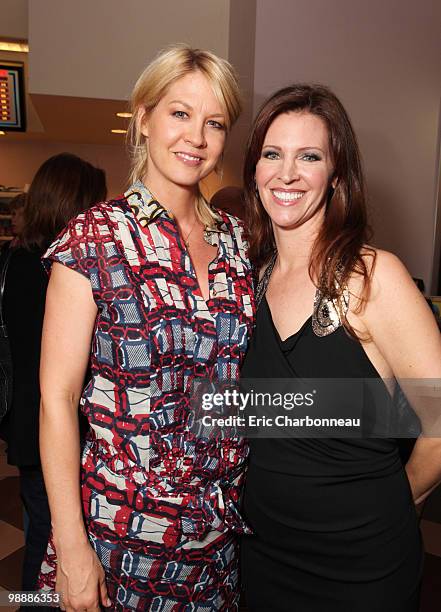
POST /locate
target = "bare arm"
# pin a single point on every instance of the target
(68, 325)
(405, 332)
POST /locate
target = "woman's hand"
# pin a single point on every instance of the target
(81, 580)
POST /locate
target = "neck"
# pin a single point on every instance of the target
(294, 245)
(177, 199)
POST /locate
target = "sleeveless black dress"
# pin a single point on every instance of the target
(335, 528)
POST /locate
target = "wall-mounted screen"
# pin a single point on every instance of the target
(12, 98)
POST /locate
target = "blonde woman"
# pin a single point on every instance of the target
(158, 285)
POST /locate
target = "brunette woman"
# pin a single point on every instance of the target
(63, 186)
(155, 289)
(334, 518)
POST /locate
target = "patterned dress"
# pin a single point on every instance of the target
(160, 503)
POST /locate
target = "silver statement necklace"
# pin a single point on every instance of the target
(328, 313)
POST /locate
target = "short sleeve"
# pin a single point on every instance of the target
(82, 244)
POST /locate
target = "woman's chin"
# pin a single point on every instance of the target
(286, 223)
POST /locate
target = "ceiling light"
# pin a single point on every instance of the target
(124, 115)
(9, 45)
(119, 131)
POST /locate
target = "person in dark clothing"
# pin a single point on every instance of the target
(64, 186)
(332, 512)
(16, 206)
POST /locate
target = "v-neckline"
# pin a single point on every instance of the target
(148, 210)
(198, 290)
(276, 331)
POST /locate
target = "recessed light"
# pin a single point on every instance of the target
(119, 131)
(8, 45)
(124, 115)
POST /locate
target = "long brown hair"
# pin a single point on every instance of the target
(339, 248)
(63, 186)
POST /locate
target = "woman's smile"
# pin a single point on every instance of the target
(188, 159)
(287, 197)
(293, 174)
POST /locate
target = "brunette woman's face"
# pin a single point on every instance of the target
(294, 172)
(185, 133)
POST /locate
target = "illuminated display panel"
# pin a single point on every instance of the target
(12, 105)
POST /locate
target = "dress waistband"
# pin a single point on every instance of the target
(204, 507)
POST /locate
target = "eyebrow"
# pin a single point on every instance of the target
(221, 115)
(181, 102)
(270, 146)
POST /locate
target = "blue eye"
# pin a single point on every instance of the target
(216, 124)
(270, 154)
(310, 157)
(180, 114)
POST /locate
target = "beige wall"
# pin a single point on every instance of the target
(436, 285)
(19, 162)
(241, 55)
(97, 49)
(383, 59)
(14, 19)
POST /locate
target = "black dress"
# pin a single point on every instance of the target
(334, 522)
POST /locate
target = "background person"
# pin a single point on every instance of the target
(231, 200)
(16, 207)
(160, 286)
(334, 519)
(63, 186)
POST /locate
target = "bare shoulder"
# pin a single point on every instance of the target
(382, 265)
(386, 275)
(391, 281)
(389, 268)
(393, 298)
(399, 322)
(390, 296)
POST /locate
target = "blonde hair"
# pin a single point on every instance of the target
(170, 65)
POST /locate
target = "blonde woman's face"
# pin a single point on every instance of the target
(185, 134)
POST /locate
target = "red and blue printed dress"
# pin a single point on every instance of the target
(161, 504)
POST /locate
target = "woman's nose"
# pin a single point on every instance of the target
(289, 170)
(195, 135)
